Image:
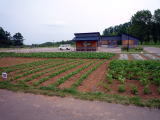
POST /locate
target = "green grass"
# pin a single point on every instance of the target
(89, 55)
(111, 98)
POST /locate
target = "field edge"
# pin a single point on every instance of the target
(114, 98)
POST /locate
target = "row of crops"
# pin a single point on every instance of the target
(88, 55)
(145, 72)
(41, 74)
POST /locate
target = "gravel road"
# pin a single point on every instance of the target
(22, 106)
(152, 49)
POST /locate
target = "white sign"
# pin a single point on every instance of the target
(4, 75)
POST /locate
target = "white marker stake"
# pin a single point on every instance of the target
(4, 75)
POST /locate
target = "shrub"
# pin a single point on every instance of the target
(109, 78)
(144, 81)
(121, 88)
(146, 90)
(121, 79)
(134, 90)
(156, 81)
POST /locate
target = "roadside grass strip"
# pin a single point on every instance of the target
(137, 57)
(25, 65)
(33, 71)
(63, 64)
(123, 57)
(84, 76)
(152, 57)
(65, 78)
(56, 73)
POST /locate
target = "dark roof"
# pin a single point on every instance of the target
(87, 36)
(127, 36)
(110, 37)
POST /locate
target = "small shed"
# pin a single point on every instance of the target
(87, 41)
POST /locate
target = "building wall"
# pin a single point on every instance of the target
(86, 45)
(130, 42)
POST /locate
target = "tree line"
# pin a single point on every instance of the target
(142, 25)
(6, 40)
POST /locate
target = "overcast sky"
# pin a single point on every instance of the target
(55, 20)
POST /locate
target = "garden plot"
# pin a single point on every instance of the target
(150, 56)
(137, 57)
(133, 78)
(88, 78)
(123, 57)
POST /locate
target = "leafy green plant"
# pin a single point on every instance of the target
(121, 79)
(156, 81)
(134, 90)
(146, 90)
(121, 88)
(109, 78)
(144, 81)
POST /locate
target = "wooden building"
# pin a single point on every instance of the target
(87, 41)
(124, 40)
(91, 41)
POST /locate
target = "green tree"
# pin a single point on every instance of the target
(156, 26)
(4, 38)
(141, 25)
(18, 39)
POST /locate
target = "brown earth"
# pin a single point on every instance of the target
(46, 74)
(91, 83)
(113, 89)
(70, 81)
(9, 61)
(19, 72)
(52, 80)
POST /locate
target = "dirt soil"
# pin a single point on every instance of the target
(91, 83)
(9, 61)
(52, 80)
(70, 81)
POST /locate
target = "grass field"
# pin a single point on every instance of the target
(83, 76)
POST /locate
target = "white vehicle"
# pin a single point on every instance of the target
(65, 47)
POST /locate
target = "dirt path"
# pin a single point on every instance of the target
(21, 106)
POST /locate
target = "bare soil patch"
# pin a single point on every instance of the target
(9, 61)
